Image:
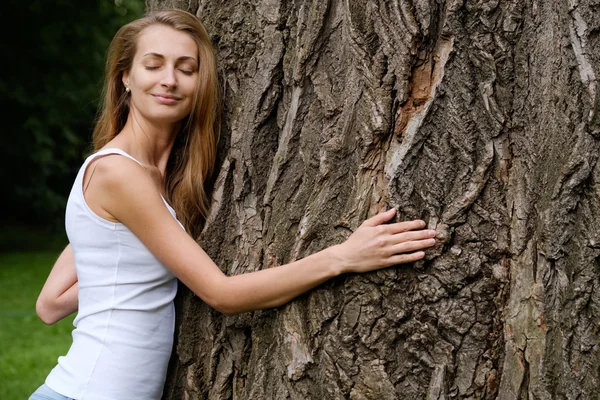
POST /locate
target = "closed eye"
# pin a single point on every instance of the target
(150, 68)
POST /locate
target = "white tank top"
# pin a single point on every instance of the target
(123, 333)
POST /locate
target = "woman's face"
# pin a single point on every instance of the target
(164, 74)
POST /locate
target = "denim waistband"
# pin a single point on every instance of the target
(45, 393)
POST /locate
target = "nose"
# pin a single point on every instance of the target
(169, 79)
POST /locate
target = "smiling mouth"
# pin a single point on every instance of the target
(166, 98)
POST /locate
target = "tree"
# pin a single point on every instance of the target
(481, 117)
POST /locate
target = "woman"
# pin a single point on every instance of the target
(155, 145)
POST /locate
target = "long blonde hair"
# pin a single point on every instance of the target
(194, 153)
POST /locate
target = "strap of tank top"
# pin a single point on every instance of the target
(114, 150)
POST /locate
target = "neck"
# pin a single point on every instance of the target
(150, 143)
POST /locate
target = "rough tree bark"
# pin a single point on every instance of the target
(480, 117)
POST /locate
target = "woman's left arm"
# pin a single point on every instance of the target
(58, 297)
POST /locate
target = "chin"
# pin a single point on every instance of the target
(167, 117)
(164, 114)
(168, 120)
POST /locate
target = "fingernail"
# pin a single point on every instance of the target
(432, 233)
(431, 241)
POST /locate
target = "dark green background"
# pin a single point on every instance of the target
(51, 79)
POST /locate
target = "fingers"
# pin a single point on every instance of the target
(379, 244)
(405, 226)
(398, 227)
(414, 235)
(380, 218)
(410, 241)
(406, 258)
(412, 245)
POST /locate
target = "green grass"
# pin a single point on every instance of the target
(28, 348)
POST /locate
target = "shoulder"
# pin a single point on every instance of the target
(116, 166)
(117, 183)
(115, 172)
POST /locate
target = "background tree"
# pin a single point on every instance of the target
(480, 117)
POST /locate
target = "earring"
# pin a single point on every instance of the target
(127, 90)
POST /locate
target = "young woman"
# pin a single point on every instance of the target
(135, 209)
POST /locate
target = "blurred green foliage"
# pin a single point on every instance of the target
(53, 61)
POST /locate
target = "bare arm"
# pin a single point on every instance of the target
(370, 248)
(126, 192)
(58, 297)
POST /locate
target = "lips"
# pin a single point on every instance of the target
(166, 98)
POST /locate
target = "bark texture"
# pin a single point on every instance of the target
(480, 117)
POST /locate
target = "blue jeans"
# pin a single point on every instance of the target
(45, 393)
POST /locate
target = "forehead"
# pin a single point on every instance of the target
(166, 41)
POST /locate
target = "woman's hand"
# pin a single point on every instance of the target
(376, 245)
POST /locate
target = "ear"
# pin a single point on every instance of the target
(125, 78)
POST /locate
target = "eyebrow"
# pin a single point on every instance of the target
(158, 55)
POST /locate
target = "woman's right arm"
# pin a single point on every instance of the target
(58, 297)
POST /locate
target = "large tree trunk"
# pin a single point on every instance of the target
(480, 117)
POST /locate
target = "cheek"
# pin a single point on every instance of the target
(142, 81)
(190, 87)
(188, 106)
